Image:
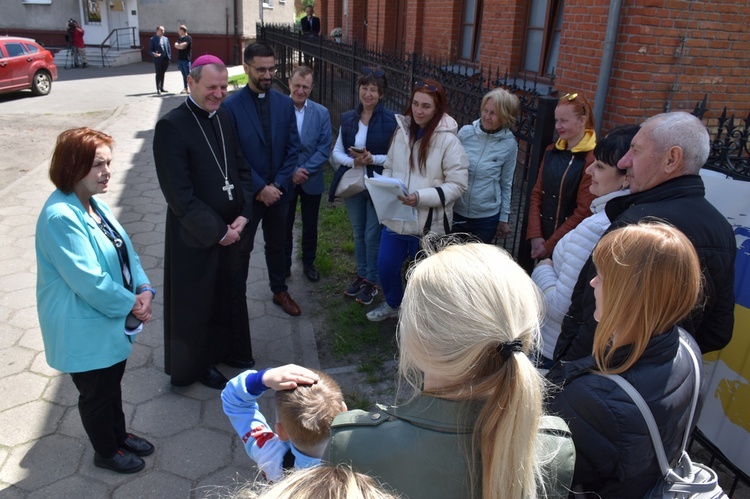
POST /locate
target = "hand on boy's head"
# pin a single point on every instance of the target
(288, 377)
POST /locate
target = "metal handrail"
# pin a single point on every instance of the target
(115, 36)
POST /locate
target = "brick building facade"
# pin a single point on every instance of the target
(667, 54)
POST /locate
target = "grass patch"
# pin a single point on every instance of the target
(238, 81)
(347, 334)
(355, 400)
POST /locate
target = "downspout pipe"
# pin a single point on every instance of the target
(236, 52)
(608, 56)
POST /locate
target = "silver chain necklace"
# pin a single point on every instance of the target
(228, 188)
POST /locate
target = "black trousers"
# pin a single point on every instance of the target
(274, 235)
(161, 65)
(310, 205)
(100, 406)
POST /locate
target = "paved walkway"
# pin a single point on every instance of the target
(44, 451)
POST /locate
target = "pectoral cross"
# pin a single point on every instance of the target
(228, 189)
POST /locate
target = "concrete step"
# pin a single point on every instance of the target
(113, 57)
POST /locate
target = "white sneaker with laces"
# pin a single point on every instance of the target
(382, 312)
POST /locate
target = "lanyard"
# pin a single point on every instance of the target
(117, 242)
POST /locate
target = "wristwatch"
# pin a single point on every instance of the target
(146, 288)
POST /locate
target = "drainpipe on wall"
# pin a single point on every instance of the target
(236, 51)
(608, 55)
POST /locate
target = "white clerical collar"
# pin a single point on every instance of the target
(210, 115)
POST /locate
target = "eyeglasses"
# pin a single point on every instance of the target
(421, 84)
(262, 71)
(377, 73)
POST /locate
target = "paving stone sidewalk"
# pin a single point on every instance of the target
(44, 451)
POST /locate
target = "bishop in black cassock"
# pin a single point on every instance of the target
(205, 308)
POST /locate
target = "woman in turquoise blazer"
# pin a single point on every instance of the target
(89, 279)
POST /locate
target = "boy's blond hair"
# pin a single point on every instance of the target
(307, 411)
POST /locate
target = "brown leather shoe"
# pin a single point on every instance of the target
(285, 301)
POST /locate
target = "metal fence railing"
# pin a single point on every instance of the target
(338, 66)
(730, 149)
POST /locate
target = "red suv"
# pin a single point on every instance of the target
(25, 64)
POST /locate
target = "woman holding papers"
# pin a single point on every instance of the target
(427, 156)
(363, 141)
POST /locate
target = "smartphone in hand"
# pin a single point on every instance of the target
(358, 150)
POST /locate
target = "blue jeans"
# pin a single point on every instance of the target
(394, 250)
(484, 228)
(184, 66)
(366, 234)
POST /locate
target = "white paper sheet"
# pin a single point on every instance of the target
(384, 192)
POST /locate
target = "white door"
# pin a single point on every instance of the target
(118, 14)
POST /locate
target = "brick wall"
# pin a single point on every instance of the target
(503, 29)
(669, 54)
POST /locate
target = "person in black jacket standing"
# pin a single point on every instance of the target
(310, 24)
(662, 167)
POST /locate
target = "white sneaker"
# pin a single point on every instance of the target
(382, 312)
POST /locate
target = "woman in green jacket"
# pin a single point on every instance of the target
(475, 426)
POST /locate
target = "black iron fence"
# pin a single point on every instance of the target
(338, 66)
(730, 151)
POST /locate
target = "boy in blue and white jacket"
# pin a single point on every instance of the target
(306, 403)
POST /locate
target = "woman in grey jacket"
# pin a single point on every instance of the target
(484, 208)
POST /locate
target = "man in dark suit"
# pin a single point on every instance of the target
(267, 131)
(314, 127)
(310, 23)
(158, 45)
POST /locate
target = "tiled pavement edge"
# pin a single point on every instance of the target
(44, 451)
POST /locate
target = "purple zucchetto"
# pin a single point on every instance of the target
(207, 59)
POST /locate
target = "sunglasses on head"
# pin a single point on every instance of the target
(377, 73)
(571, 97)
(421, 84)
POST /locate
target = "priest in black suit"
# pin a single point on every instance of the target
(207, 186)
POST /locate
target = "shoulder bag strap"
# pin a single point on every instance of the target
(696, 389)
(428, 223)
(653, 429)
(446, 225)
